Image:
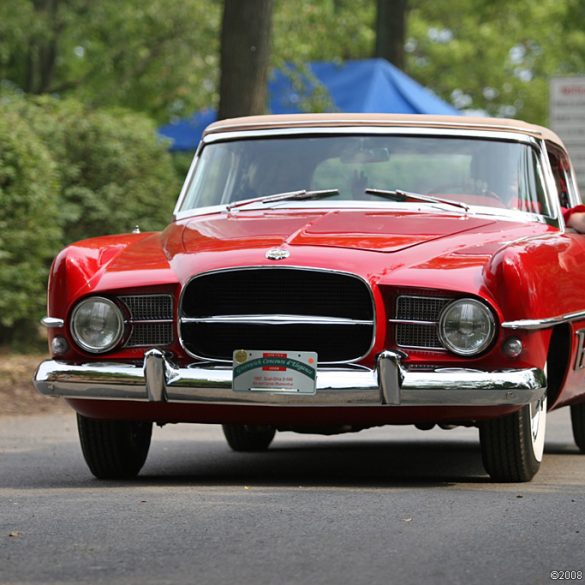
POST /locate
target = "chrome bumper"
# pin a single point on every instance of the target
(159, 380)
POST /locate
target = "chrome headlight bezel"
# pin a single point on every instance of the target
(118, 333)
(489, 322)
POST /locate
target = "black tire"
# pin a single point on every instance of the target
(578, 424)
(512, 446)
(248, 437)
(114, 449)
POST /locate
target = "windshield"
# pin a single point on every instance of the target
(478, 172)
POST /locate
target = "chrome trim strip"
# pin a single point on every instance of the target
(53, 322)
(276, 320)
(374, 127)
(271, 267)
(538, 324)
(146, 321)
(390, 384)
(407, 322)
(424, 297)
(487, 213)
(422, 348)
(187, 182)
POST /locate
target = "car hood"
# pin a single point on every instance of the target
(414, 249)
(358, 230)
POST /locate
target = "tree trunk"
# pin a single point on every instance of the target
(391, 31)
(245, 57)
(41, 58)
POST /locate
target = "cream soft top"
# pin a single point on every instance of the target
(339, 120)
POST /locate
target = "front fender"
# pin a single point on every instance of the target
(78, 267)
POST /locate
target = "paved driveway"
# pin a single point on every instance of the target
(388, 505)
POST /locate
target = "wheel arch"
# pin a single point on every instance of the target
(558, 361)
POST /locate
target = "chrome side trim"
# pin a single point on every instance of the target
(52, 322)
(276, 320)
(389, 384)
(538, 324)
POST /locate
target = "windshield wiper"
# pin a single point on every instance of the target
(398, 195)
(296, 195)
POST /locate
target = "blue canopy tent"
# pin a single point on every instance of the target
(369, 86)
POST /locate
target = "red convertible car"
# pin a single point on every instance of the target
(330, 273)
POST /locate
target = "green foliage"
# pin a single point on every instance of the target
(160, 57)
(29, 232)
(113, 171)
(155, 56)
(123, 176)
(67, 173)
(325, 30)
(494, 56)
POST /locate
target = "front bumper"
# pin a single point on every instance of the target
(390, 383)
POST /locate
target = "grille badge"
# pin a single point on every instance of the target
(277, 254)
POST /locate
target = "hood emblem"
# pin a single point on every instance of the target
(277, 254)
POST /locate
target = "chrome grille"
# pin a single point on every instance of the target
(278, 309)
(427, 311)
(419, 336)
(151, 320)
(419, 308)
(149, 307)
(146, 334)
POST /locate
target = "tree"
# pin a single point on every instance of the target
(154, 56)
(494, 56)
(160, 57)
(391, 31)
(245, 57)
(305, 30)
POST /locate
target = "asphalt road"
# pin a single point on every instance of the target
(389, 505)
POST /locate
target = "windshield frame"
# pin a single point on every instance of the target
(538, 145)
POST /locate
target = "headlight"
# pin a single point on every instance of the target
(97, 324)
(466, 327)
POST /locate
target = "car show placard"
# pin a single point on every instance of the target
(275, 371)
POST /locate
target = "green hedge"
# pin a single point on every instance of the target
(29, 230)
(114, 171)
(68, 172)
